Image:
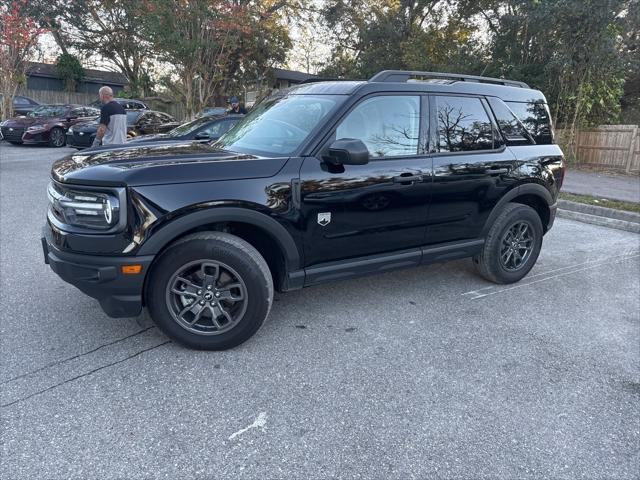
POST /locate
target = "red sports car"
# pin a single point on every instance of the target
(47, 124)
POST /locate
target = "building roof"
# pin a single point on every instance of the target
(291, 75)
(48, 70)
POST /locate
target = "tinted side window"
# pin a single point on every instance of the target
(20, 101)
(218, 128)
(511, 128)
(388, 126)
(535, 118)
(463, 125)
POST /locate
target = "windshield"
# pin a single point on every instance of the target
(189, 127)
(132, 117)
(48, 111)
(278, 126)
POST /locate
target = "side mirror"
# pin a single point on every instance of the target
(348, 151)
(202, 136)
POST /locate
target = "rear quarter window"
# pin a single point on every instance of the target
(511, 127)
(535, 118)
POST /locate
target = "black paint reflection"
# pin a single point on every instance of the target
(463, 125)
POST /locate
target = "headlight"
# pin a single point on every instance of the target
(97, 209)
(70, 130)
(36, 128)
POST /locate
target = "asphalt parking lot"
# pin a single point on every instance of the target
(423, 373)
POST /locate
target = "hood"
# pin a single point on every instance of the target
(150, 138)
(155, 164)
(90, 126)
(29, 121)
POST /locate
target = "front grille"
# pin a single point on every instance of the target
(80, 140)
(13, 134)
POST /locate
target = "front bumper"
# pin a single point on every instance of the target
(12, 134)
(100, 277)
(80, 141)
(35, 138)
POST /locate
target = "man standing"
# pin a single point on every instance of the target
(235, 106)
(113, 120)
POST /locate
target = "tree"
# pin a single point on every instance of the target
(374, 35)
(19, 35)
(211, 44)
(70, 70)
(569, 49)
(630, 102)
(106, 29)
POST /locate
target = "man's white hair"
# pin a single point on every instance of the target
(106, 91)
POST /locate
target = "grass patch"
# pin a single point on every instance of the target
(601, 202)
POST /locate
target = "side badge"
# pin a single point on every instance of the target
(324, 219)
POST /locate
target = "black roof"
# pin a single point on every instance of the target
(48, 70)
(291, 75)
(508, 92)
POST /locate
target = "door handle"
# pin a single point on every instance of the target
(407, 178)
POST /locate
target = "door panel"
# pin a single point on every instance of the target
(472, 169)
(369, 212)
(465, 190)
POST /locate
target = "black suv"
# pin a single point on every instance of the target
(320, 182)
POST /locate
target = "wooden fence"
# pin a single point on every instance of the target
(161, 104)
(607, 147)
(58, 96)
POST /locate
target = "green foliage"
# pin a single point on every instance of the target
(214, 45)
(70, 70)
(569, 49)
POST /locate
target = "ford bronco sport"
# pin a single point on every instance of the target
(320, 182)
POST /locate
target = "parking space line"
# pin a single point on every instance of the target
(602, 264)
(592, 262)
(65, 360)
(84, 375)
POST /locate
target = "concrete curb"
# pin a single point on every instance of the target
(606, 217)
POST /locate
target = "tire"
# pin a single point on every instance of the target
(57, 137)
(502, 243)
(226, 260)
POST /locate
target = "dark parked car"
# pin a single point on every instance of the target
(320, 182)
(22, 105)
(139, 122)
(203, 129)
(47, 124)
(127, 104)
(208, 111)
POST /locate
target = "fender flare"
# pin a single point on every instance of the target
(179, 226)
(525, 189)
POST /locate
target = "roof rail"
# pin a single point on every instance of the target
(404, 75)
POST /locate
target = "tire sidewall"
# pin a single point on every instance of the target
(522, 213)
(258, 304)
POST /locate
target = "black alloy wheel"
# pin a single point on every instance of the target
(206, 297)
(56, 137)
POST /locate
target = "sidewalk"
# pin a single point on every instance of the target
(625, 188)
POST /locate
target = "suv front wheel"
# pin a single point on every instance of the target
(512, 245)
(210, 291)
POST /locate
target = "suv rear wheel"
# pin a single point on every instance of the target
(210, 290)
(512, 245)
